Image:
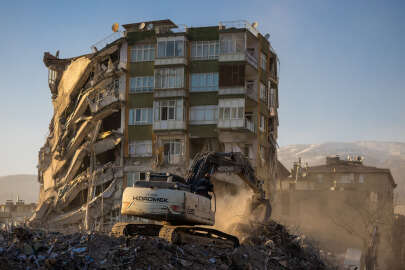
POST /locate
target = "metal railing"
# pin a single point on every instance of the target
(107, 40)
(250, 125)
(239, 24)
(251, 59)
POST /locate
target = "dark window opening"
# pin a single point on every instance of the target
(107, 156)
(77, 202)
(232, 75)
(111, 122)
(83, 167)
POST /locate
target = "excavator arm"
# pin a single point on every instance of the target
(206, 164)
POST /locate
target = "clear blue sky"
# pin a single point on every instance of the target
(342, 63)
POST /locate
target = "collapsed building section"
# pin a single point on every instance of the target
(151, 100)
(80, 166)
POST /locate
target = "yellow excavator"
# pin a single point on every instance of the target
(178, 205)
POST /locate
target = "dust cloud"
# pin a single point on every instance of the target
(231, 211)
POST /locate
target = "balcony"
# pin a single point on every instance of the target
(249, 90)
(233, 50)
(244, 124)
(169, 125)
(104, 98)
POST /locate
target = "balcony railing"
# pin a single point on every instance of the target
(250, 90)
(250, 125)
(234, 50)
(238, 123)
(251, 60)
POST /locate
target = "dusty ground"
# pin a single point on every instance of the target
(267, 246)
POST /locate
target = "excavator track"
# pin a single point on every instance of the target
(177, 234)
(129, 229)
(200, 235)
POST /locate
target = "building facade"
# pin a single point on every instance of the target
(344, 205)
(199, 89)
(148, 99)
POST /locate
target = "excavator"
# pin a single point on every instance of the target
(178, 205)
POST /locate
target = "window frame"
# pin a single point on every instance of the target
(132, 148)
(139, 51)
(197, 49)
(204, 79)
(176, 48)
(132, 121)
(169, 78)
(133, 84)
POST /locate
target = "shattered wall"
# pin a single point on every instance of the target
(80, 164)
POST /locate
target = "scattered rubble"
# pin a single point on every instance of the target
(267, 246)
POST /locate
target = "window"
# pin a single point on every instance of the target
(263, 61)
(261, 126)
(169, 78)
(170, 48)
(140, 149)
(230, 109)
(263, 92)
(204, 81)
(141, 84)
(143, 52)
(173, 150)
(52, 75)
(132, 177)
(230, 46)
(205, 49)
(203, 113)
(231, 75)
(140, 116)
(167, 110)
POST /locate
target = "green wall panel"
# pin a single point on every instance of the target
(133, 37)
(203, 131)
(140, 100)
(139, 133)
(203, 33)
(141, 69)
(204, 66)
(203, 98)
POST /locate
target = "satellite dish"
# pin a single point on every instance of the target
(142, 26)
(267, 36)
(255, 24)
(150, 26)
(115, 27)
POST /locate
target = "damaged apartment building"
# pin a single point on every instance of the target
(343, 204)
(149, 100)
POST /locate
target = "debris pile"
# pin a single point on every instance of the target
(268, 247)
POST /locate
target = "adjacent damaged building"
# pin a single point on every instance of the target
(148, 99)
(343, 204)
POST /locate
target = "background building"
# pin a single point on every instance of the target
(150, 98)
(343, 204)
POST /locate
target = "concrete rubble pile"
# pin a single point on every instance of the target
(267, 247)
